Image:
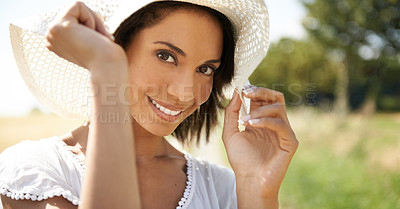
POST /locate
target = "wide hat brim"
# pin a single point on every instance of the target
(64, 87)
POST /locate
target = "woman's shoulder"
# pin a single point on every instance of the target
(217, 181)
(29, 150)
(47, 152)
(38, 170)
(207, 169)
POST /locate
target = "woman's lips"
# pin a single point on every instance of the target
(163, 112)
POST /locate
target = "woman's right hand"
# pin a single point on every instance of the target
(81, 37)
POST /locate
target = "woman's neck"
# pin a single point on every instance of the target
(148, 145)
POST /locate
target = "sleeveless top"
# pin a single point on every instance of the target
(38, 170)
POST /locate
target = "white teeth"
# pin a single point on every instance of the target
(162, 109)
(165, 110)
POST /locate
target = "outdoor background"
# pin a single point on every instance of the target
(338, 64)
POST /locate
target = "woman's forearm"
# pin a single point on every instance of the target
(111, 179)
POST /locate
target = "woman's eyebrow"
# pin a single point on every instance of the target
(213, 61)
(171, 46)
(180, 51)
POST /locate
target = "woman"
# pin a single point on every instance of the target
(176, 58)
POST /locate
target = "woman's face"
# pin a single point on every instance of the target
(171, 66)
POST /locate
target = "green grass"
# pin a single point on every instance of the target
(344, 164)
(332, 182)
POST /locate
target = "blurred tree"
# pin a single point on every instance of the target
(300, 70)
(364, 37)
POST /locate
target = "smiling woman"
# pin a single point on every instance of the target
(186, 48)
(162, 72)
(203, 39)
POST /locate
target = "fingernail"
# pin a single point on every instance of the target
(247, 86)
(254, 121)
(241, 122)
(248, 91)
(245, 118)
(112, 37)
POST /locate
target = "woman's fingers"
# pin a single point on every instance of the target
(288, 140)
(80, 13)
(232, 116)
(268, 110)
(276, 110)
(273, 110)
(262, 96)
(81, 37)
(264, 103)
(274, 124)
(100, 27)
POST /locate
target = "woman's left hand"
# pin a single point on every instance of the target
(259, 155)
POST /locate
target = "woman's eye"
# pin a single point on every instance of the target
(165, 56)
(206, 70)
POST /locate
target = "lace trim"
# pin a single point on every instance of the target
(189, 182)
(19, 195)
(65, 147)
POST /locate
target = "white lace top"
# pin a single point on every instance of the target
(39, 170)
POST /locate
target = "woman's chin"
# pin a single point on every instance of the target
(155, 129)
(160, 132)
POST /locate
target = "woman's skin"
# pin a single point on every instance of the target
(172, 63)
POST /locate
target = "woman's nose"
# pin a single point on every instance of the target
(182, 87)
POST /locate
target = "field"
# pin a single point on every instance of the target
(344, 163)
(341, 163)
(33, 127)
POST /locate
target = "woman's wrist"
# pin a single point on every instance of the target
(109, 66)
(254, 193)
(110, 84)
(110, 74)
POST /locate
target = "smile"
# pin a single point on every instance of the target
(170, 114)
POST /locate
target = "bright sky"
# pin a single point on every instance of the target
(16, 99)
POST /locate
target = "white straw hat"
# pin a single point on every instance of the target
(64, 87)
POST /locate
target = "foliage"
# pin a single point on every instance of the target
(366, 36)
(299, 69)
(363, 29)
(352, 54)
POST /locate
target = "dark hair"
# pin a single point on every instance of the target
(207, 115)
